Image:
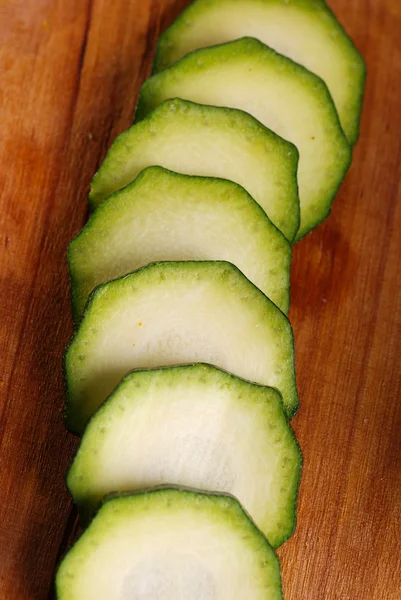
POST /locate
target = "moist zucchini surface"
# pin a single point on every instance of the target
(284, 96)
(194, 426)
(167, 216)
(213, 142)
(304, 30)
(172, 313)
(170, 545)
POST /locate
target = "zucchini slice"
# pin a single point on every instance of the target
(304, 30)
(198, 427)
(167, 216)
(172, 313)
(208, 141)
(170, 545)
(282, 95)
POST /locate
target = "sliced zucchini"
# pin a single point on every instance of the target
(173, 313)
(282, 95)
(215, 142)
(170, 545)
(304, 30)
(166, 216)
(198, 427)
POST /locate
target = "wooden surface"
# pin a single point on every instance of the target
(70, 73)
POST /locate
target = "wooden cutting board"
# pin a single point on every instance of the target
(70, 74)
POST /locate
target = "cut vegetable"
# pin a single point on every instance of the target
(174, 313)
(208, 141)
(170, 545)
(304, 30)
(166, 216)
(284, 96)
(198, 427)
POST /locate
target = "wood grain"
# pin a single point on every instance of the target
(70, 74)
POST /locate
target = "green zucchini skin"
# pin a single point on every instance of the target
(194, 426)
(306, 31)
(282, 95)
(170, 543)
(173, 313)
(208, 141)
(163, 215)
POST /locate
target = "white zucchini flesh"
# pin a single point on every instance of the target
(192, 426)
(212, 142)
(166, 216)
(285, 97)
(172, 313)
(304, 30)
(170, 545)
